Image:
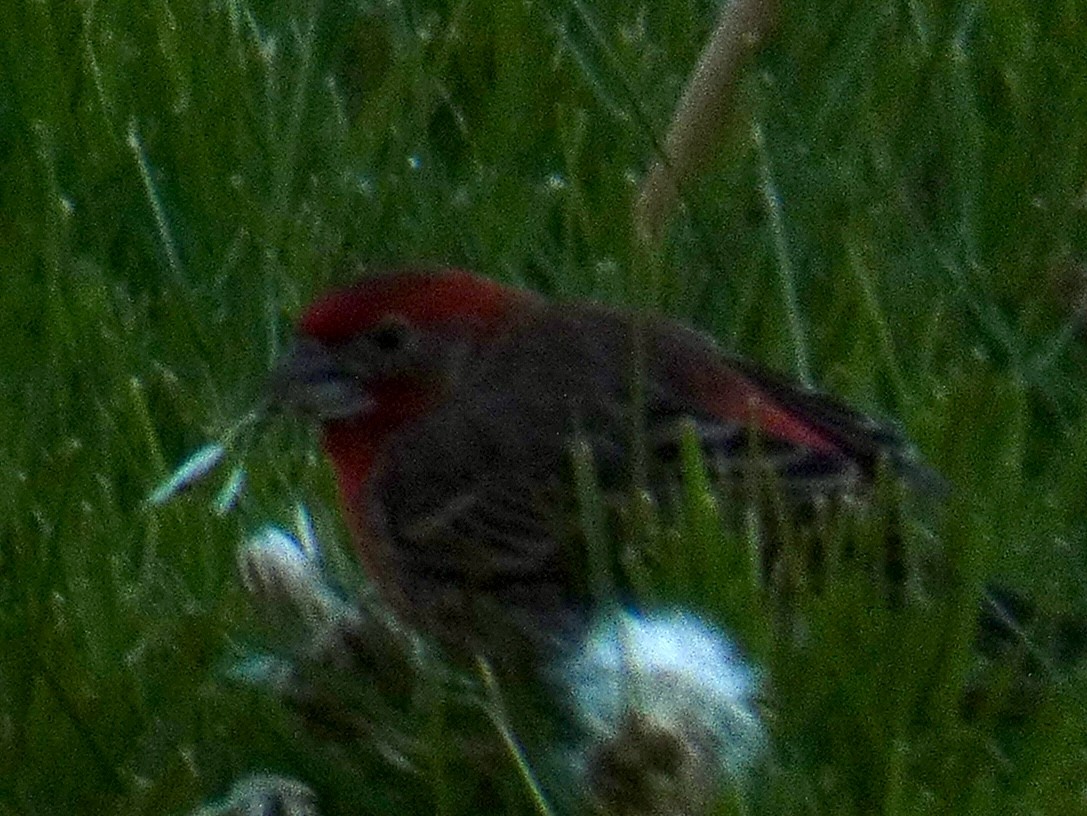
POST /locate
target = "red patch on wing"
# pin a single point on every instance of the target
(735, 399)
(779, 423)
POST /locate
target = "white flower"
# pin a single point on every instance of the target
(286, 580)
(667, 709)
(264, 795)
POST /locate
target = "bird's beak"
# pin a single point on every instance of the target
(309, 380)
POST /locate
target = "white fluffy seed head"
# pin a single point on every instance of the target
(667, 709)
(286, 581)
(262, 794)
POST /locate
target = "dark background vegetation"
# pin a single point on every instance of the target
(178, 178)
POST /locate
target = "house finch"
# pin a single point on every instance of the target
(449, 405)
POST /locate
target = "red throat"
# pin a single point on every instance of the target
(355, 452)
(352, 450)
(355, 445)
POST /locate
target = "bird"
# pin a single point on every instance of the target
(449, 405)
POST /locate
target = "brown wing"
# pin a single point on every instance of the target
(470, 494)
(812, 442)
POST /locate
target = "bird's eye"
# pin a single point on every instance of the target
(390, 336)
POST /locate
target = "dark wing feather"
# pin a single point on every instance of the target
(812, 442)
(859, 436)
(473, 497)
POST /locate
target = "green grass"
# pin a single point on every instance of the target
(178, 179)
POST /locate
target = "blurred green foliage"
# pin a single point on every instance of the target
(178, 178)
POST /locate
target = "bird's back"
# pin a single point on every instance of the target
(475, 491)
